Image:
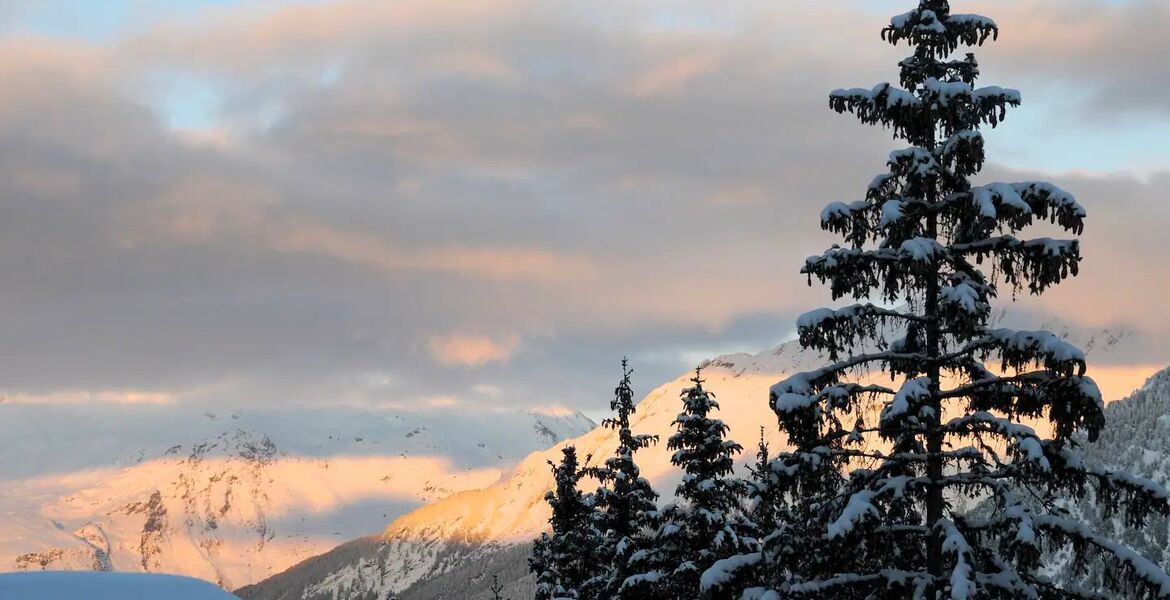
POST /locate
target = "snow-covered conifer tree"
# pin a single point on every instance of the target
(946, 480)
(625, 499)
(762, 495)
(787, 496)
(706, 523)
(566, 558)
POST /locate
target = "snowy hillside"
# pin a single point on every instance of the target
(234, 498)
(1136, 440)
(473, 525)
(440, 537)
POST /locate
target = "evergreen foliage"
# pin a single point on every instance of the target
(565, 559)
(706, 523)
(948, 483)
(625, 500)
(761, 493)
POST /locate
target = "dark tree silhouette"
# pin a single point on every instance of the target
(948, 483)
(565, 559)
(707, 522)
(625, 499)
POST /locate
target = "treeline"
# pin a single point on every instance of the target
(927, 481)
(615, 542)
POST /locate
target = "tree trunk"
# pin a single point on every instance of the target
(934, 438)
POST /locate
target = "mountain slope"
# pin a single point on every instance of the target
(470, 527)
(233, 499)
(1137, 440)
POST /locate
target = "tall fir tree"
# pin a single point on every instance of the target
(625, 500)
(945, 492)
(706, 522)
(566, 558)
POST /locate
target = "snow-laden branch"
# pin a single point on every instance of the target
(942, 34)
(1027, 443)
(835, 331)
(726, 570)
(962, 571)
(888, 578)
(1139, 566)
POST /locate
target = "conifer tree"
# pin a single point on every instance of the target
(762, 498)
(625, 500)
(706, 523)
(792, 493)
(496, 589)
(763, 503)
(945, 492)
(565, 559)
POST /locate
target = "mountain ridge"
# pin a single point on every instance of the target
(469, 527)
(233, 499)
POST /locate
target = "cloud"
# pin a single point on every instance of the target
(1102, 50)
(471, 350)
(241, 39)
(374, 252)
(641, 181)
(672, 75)
(90, 397)
(1122, 279)
(215, 211)
(488, 390)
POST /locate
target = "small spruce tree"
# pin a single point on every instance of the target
(496, 589)
(565, 559)
(762, 496)
(627, 509)
(729, 577)
(944, 491)
(791, 494)
(707, 522)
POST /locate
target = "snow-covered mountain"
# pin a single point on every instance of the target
(473, 526)
(1137, 440)
(233, 498)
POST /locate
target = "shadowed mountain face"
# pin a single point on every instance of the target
(234, 498)
(459, 539)
(1137, 441)
(471, 579)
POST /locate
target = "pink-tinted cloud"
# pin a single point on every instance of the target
(210, 211)
(471, 350)
(377, 253)
(87, 397)
(673, 75)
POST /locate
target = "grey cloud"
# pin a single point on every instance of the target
(1107, 55)
(656, 193)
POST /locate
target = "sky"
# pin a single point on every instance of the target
(441, 203)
